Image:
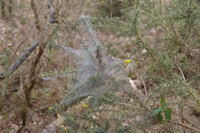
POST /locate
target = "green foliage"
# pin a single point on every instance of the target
(166, 30)
(164, 108)
(88, 123)
(176, 35)
(114, 8)
(114, 52)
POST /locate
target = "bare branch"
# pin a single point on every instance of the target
(179, 69)
(186, 126)
(20, 61)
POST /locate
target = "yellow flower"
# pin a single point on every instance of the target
(102, 1)
(65, 128)
(84, 105)
(127, 61)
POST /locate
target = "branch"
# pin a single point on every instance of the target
(186, 126)
(194, 125)
(20, 61)
(179, 69)
(33, 6)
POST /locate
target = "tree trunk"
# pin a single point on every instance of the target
(3, 8)
(10, 7)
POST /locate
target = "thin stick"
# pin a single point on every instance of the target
(191, 123)
(186, 126)
(29, 86)
(183, 76)
(179, 69)
(20, 44)
(33, 6)
(145, 87)
(20, 61)
(33, 72)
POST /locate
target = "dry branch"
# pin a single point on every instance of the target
(20, 61)
(179, 69)
(33, 6)
(20, 44)
(186, 126)
(29, 86)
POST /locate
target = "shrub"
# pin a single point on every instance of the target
(113, 8)
(169, 33)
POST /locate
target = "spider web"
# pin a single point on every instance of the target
(93, 78)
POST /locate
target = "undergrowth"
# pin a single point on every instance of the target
(162, 53)
(168, 32)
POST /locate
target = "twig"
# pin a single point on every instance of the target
(30, 85)
(193, 94)
(20, 44)
(33, 6)
(186, 126)
(191, 123)
(136, 90)
(179, 69)
(20, 61)
(145, 87)
(183, 76)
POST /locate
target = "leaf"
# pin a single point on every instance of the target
(156, 111)
(159, 116)
(162, 101)
(164, 107)
(168, 114)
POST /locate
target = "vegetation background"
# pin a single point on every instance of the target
(147, 54)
